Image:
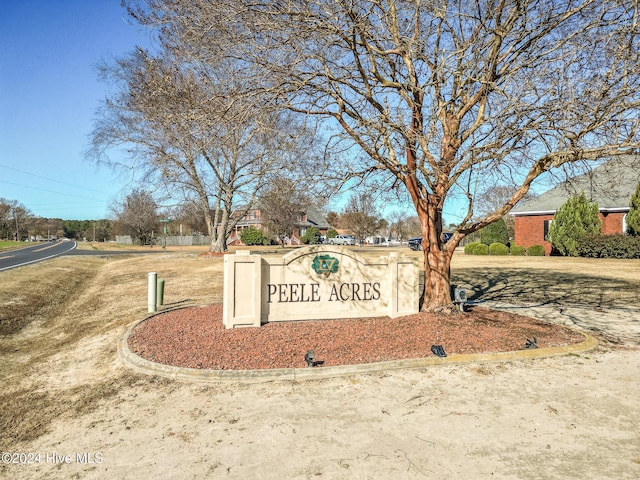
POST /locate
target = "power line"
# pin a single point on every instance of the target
(49, 191)
(50, 180)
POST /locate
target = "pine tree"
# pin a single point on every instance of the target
(573, 220)
(633, 217)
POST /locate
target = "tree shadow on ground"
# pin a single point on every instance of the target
(521, 286)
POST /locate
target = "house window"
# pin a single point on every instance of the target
(547, 224)
(624, 223)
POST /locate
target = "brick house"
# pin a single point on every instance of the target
(610, 185)
(312, 217)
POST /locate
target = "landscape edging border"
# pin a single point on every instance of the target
(148, 367)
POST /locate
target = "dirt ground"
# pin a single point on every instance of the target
(71, 409)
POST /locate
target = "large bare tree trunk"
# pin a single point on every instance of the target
(437, 260)
(219, 239)
(437, 275)
(218, 244)
(437, 253)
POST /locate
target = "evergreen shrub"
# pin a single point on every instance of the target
(609, 246)
(311, 236)
(481, 249)
(576, 218)
(535, 251)
(495, 233)
(468, 248)
(253, 236)
(518, 250)
(498, 249)
(633, 217)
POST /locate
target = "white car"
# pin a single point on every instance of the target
(342, 240)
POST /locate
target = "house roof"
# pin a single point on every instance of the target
(610, 185)
(315, 218)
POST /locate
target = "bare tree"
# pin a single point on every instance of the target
(137, 215)
(333, 219)
(442, 97)
(14, 219)
(282, 205)
(403, 226)
(361, 216)
(6, 216)
(194, 131)
(190, 217)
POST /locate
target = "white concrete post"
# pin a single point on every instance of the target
(152, 292)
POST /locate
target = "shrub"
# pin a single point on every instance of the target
(518, 250)
(609, 246)
(253, 236)
(468, 248)
(481, 249)
(332, 233)
(498, 249)
(495, 233)
(535, 251)
(311, 236)
(633, 217)
(574, 219)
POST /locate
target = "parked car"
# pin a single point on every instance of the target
(342, 240)
(416, 243)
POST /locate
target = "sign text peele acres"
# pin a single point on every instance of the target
(319, 282)
(311, 292)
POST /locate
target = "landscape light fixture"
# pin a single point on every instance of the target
(460, 297)
(310, 357)
(438, 350)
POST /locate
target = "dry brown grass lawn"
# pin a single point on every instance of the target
(557, 280)
(48, 309)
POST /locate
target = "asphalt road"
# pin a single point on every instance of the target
(33, 254)
(43, 251)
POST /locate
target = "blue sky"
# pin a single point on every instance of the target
(49, 92)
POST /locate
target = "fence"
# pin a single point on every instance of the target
(172, 240)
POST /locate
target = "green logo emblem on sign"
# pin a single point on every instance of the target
(325, 265)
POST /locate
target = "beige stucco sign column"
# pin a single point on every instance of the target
(317, 282)
(242, 289)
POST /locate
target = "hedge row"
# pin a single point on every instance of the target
(477, 248)
(609, 246)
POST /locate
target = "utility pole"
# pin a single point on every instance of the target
(15, 216)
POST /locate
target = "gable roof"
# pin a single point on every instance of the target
(317, 218)
(610, 185)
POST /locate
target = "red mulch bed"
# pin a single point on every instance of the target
(195, 337)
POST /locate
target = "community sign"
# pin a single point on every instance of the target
(317, 282)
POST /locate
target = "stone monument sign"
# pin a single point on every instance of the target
(317, 282)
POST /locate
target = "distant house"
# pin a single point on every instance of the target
(312, 217)
(610, 185)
